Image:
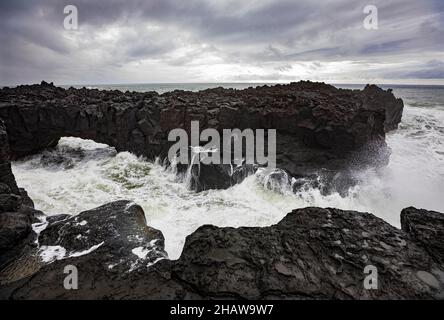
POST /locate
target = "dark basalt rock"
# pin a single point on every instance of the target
(115, 229)
(7, 180)
(9, 202)
(15, 226)
(318, 126)
(16, 209)
(113, 239)
(204, 177)
(427, 228)
(313, 253)
(375, 99)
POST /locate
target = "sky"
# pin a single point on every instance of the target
(165, 41)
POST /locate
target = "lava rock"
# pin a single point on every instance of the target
(374, 98)
(16, 209)
(9, 202)
(106, 245)
(313, 253)
(6, 176)
(15, 226)
(425, 227)
(117, 229)
(318, 126)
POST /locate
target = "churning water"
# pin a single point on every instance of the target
(80, 175)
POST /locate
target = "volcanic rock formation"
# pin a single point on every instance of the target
(16, 208)
(320, 129)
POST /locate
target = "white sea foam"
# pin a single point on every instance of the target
(415, 176)
(52, 253)
(84, 252)
(38, 227)
(141, 252)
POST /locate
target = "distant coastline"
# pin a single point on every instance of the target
(196, 86)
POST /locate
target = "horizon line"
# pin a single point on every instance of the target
(383, 83)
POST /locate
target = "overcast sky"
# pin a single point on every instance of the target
(221, 41)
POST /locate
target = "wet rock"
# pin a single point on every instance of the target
(427, 228)
(374, 98)
(9, 202)
(16, 208)
(117, 230)
(6, 177)
(25, 199)
(15, 226)
(108, 245)
(4, 188)
(313, 253)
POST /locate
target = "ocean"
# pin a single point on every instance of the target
(80, 175)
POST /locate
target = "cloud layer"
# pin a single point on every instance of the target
(221, 41)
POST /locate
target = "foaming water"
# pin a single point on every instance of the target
(80, 175)
(415, 175)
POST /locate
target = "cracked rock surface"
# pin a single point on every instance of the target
(313, 253)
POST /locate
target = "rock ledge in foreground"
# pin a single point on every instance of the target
(313, 253)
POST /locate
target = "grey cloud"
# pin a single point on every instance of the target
(193, 34)
(431, 70)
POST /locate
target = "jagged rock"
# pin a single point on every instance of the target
(6, 176)
(313, 253)
(318, 126)
(117, 229)
(427, 228)
(9, 202)
(4, 188)
(111, 242)
(16, 208)
(25, 199)
(374, 98)
(15, 226)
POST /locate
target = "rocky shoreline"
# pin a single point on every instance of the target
(313, 253)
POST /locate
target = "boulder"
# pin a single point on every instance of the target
(117, 231)
(427, 228)
(16, 209)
